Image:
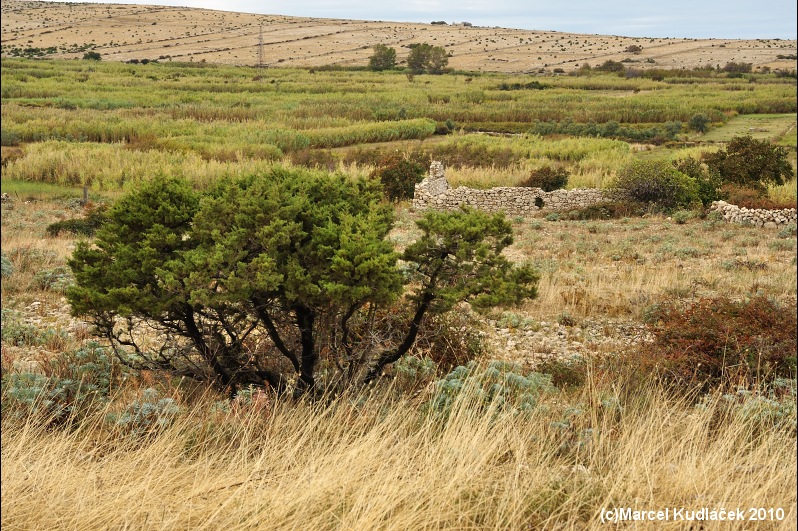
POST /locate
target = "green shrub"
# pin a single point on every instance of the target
(788, 232)
(657, 183)
(708, 180)
(764, 409)
(699, 123)
(682, 216)
(94, 216)
(412, 373)
(8, 138)
(57, 279)
(751, 163)
(18, 333)
(398, 176)
(546, 178)
(608, 210)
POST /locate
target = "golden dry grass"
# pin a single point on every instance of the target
(386, 465)
(123, 32)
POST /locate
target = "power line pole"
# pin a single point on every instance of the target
(260, 48)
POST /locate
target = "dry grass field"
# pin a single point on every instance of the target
(125, 32)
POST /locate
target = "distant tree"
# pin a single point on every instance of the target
(634, 48)
(427, 58)
(92, 56)
(699, 123)
(611, 66)
(751, 163)
(384, 58)
(547, 178)
(737, 68)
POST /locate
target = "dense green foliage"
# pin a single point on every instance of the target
(425, 58)
(384, 58)
(657, 183)
(265, 276)
(751, 163)
(399, 176)
(547, 178)
(708, 180)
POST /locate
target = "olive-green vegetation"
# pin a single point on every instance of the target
(107, 124)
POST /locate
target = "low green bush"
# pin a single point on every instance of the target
(6, 267)
(547, 178)
(608, 210)
(147, 415)
(657, 183)
(399, 176)
(94, 216)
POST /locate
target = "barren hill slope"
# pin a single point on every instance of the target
(124, 32)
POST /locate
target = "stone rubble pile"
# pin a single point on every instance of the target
(754, 216)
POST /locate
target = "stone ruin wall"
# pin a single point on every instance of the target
(435, 193)
(754, 216)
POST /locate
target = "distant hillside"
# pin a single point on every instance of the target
(126, 32)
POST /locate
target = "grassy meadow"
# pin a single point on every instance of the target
(90, 444)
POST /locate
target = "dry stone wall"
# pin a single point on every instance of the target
(435, 193)
(754, 216)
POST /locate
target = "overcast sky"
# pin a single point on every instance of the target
(730, 19)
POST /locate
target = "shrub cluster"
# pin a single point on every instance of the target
(608, 210)
(751, 163)
(747, 197)
(73, 385)
(717, 341)
(657, 183)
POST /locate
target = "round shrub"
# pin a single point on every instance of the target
(546, 178)
(657, 183)
(398, 176)
(751, 163)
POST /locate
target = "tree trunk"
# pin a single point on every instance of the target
(307, 362)
(393, 355)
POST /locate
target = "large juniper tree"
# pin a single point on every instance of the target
(257, 279)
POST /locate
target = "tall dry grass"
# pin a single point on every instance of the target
(385, 464)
